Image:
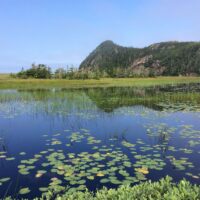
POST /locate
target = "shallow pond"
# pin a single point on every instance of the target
(53, 139)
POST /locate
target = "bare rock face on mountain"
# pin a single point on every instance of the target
(139, 69)
(166, 58)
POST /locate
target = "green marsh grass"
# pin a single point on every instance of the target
(11, 83)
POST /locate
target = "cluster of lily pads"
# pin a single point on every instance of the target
(106, 164)
(192, 135)
(175, 107)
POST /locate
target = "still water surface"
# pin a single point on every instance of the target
(97, 137)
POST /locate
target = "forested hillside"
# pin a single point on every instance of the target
(166, 58)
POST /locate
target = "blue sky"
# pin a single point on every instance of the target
(62, 32)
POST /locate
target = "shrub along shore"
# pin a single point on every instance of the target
(15, 83)
(164, 189)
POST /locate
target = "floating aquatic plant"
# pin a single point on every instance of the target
(23, 191)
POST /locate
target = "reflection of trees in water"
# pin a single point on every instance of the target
(118, 136)
(163, 140)
(161, 137)
(3, 148)
(109, 99)
(3, 145)
(65, 102)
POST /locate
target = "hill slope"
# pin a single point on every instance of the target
(166, 58)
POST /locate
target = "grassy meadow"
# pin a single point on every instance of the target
(7, 82)
(4, 76)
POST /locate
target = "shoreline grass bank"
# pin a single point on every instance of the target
(11, 83)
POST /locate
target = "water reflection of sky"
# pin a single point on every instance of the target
(26, 117)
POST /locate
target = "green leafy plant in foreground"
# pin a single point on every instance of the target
(164, 189)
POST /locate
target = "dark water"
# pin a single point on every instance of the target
(127, 135)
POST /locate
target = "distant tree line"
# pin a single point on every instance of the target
(42, 71)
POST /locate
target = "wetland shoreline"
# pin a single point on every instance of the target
(11, 83)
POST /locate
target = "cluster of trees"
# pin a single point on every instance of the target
(36, 71)
(74, 73)
(41, 71)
